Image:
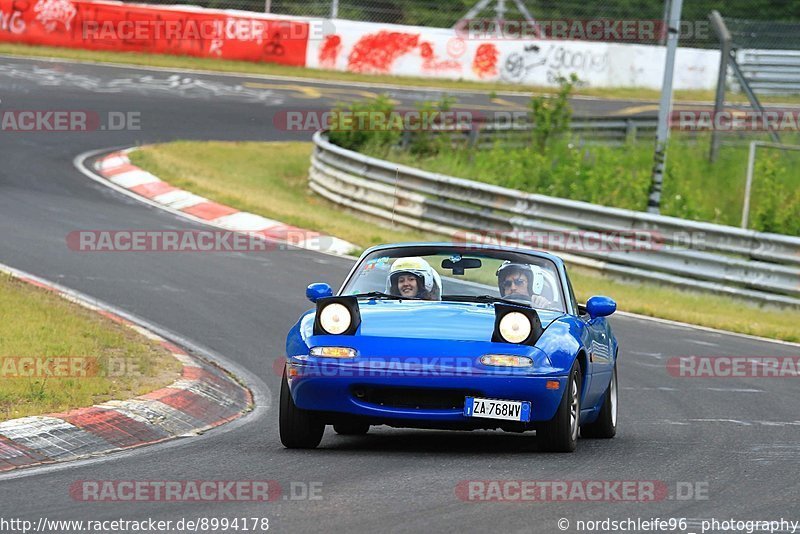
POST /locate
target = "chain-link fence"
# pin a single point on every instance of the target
(764, 34)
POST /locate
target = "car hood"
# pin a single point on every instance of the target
(458, 321)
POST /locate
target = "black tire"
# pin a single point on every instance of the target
(605, 427)
(351, 429)
(560, 434)
(299, 429)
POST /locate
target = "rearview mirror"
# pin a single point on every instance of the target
(599, 306)
(458, 266)
(317, 291)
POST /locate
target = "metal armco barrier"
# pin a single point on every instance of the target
(771, 71)
(608, 130)
(763, 267)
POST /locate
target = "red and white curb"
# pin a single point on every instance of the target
(204, 397)
(117, 169)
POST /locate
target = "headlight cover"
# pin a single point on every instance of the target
(506, 360)
(515, 327)
(518, 325)
(335, 318)
(333, 352)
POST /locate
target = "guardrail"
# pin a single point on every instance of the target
(761, 266)
(771, 71)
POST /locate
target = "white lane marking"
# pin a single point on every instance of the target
(113, 162)
(645, 388)
(145, 332)
(704, 343)
(674, 423)
(185, 360)
(246, 222)
(179, 199)
(747, 423)
(736, 390)
(646, 364)
(656, 355)
(133, 178)
(719, 390)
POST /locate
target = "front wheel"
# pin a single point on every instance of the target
(299, 429)
(560, 434)
(606, 425)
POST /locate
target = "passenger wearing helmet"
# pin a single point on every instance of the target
(414, 278)
(520, 281)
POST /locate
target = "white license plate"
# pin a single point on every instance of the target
(497, 409)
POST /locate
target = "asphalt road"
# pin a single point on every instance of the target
(735, 440)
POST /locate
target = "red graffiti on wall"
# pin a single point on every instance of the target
(110, 26)
(329, 51)
(378, 51)
(485, 62)
(430, 63)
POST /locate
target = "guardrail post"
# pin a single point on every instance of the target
(474, 133)
(405, 139)
(725, 41)
(630, 131)
(751, 163)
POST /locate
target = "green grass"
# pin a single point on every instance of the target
(43, 325)
(691, 307)
(271, 179)
(268, 69)
(620, 177)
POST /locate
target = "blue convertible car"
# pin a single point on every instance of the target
(451, 336)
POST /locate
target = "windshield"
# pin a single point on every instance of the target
(431, 273)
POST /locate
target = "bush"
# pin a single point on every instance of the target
(359, 132)
(551, 114)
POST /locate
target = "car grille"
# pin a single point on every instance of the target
(419, 398)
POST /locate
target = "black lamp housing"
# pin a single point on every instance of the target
(351, 303)
(501, 310)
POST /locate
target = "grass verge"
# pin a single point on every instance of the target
(271, 179)
(115, 362)
(269, 69)
(620, 176)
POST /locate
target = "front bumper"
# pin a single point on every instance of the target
(433, 396)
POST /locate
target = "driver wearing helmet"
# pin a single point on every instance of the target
(414, 278)
(520, 281)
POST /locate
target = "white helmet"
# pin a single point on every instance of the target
(428, 280)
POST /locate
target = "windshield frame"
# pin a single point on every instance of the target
(431, 249)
